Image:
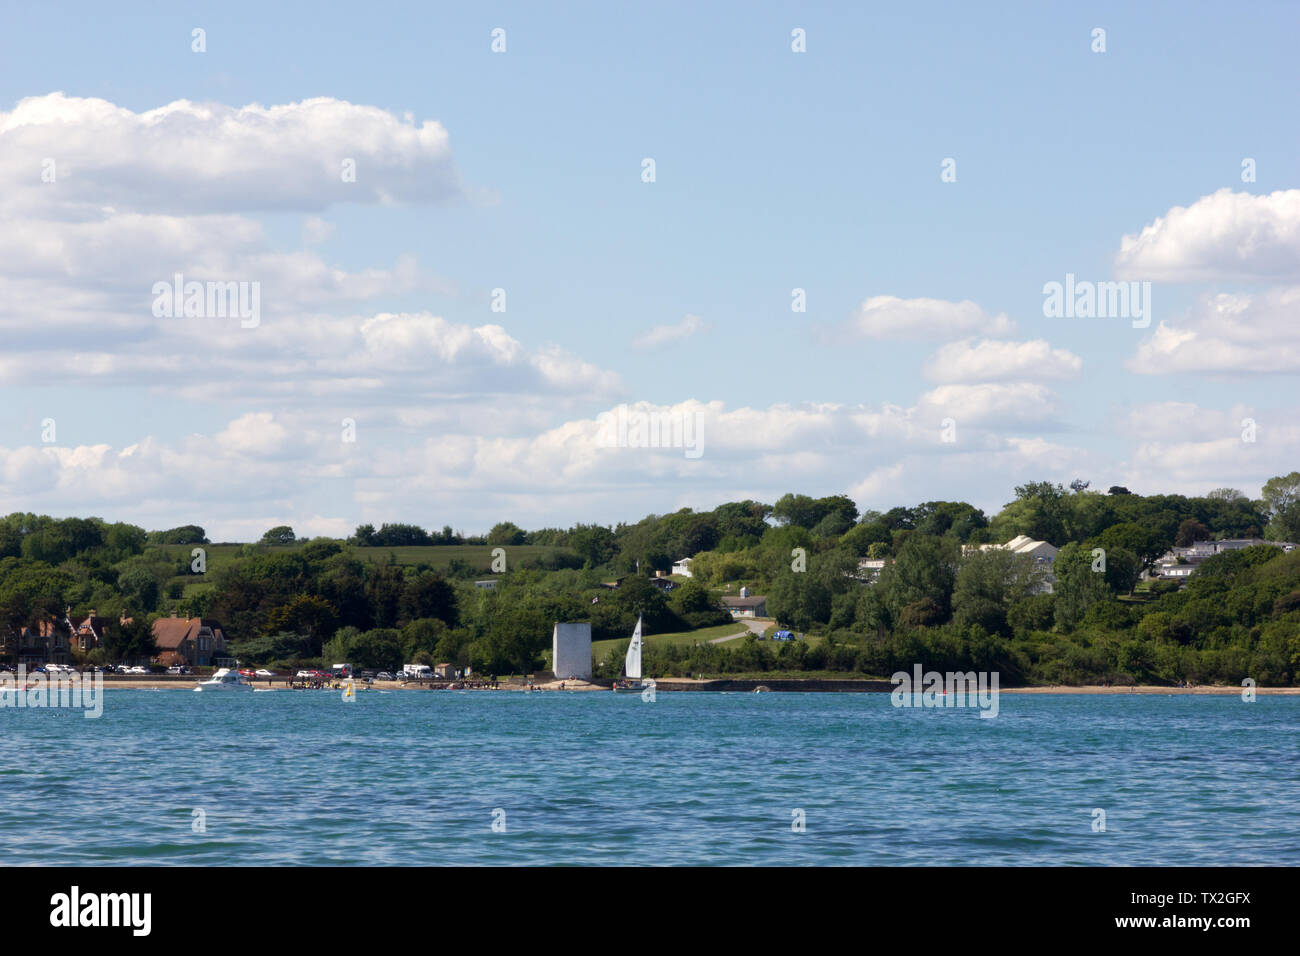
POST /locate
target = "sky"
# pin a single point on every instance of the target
(817, 238)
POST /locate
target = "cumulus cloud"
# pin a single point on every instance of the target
(1228, 333)
(993, 405)
(1188, 420)
(332, 361)
(316, 230)
(991, 360)
(138, 199)
(188, 157)
(1225, 235)
(1188, 448)
(889, 317)
(981, 472)
(292, 467)
(662, 335)
(1195, 467)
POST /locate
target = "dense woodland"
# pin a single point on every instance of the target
(399, 593)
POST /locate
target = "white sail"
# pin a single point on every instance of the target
(632, 667)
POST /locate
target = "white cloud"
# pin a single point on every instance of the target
(256, 433)
(982, 473)
(264, 468)
(1225, 235)
(1185, 448)
(1228, 334)
(316, 230)
(292, 467)
(188, 157)
(889, 317)
(95, 278)
(994, 406)
(662, 335)
(992, 361)
(1187, 420)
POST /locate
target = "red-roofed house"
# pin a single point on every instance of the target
(47, 643)
(193, 641)
(90, 633)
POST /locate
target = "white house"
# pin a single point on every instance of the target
(1040, 552)
(746, 606)
(683, 567)
(869, 569)
(1180, 564)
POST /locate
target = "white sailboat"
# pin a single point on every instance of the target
(632, 665)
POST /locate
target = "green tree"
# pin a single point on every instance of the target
(428, 595)
(311, 616)
(805, 512)
(1142, 542)
(595, 544)
(186, 534)
(132, 641)
(988, 583)
(1078, 586)
(379, 649)
(1281, 497)
(691, 597)
(926, 567)
(280, 534)
(1189, 532)
(139, 588)
(506, 533)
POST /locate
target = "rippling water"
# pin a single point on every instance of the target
(694, 778)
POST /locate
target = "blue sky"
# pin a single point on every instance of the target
(774, 170)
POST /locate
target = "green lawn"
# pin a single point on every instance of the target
(703, 635)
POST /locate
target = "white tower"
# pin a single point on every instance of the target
(571, 651)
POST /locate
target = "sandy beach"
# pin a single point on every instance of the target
(670, 684)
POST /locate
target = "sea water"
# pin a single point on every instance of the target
(479, 777)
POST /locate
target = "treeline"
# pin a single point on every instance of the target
(325, 602)
(1238, 617)
(927, 589)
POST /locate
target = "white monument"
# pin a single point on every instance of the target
(571, 651)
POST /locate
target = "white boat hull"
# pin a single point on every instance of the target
(225, 679)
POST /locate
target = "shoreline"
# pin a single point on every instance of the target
(720, 685)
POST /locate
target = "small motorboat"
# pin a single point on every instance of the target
(225, 679)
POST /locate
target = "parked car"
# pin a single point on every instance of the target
(138, 669)
(263, 673)
(384, 675)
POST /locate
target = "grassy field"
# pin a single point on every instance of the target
(703, 635)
